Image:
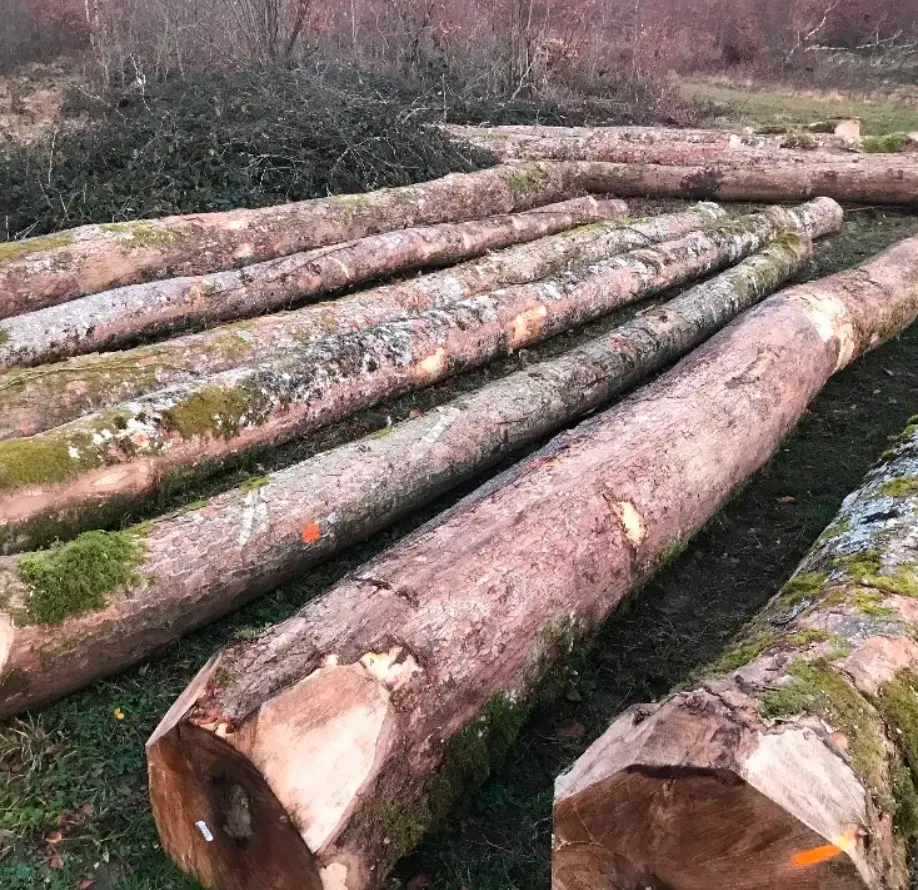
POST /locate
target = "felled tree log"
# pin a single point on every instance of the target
(39, 272)
(315, 754)
(110, 319)
(75, 475)
(645, 145)
(792, 762)
(188, 569)
(38, 399)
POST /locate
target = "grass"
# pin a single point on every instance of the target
(736, 105)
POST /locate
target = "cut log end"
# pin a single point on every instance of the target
(219, 820)
(685, 828)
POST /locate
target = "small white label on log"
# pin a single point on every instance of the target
(205, 831)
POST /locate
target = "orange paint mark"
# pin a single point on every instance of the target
(311, 533)
(815, 855)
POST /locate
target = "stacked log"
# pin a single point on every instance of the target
(111, 319)
(187, 569)
(35, 400)
(317, 753)
(52, 269)
(792, 762)
(75, 475)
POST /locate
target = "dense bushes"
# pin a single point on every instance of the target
(211, 143)
(261, 138)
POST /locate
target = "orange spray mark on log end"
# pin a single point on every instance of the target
(815, 855)
(311, 533)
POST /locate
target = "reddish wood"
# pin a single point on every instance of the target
(791, 763)
(127, 451)
(205, 562)
(110, 319)
(34, 400)
(347, 711)
(39, 272)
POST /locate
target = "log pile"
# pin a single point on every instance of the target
(74, 476)
(793, 761)
(140, 355)
(315, 754)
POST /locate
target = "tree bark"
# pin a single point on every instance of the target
(114, 318)
(34, 400)
(361, 718)
(792, 762)
(243, 543)
(39, 272)
(74, 476)
(646, 145)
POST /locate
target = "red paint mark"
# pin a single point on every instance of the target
(311, 533)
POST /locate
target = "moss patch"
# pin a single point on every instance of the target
(143, 233)
(253, 483)
(898, 704)
(900, 487)
(213, 411)
(891, 143)
(4, 336)
(41, 462)
(15, 250)
(526, 181)
(870, 603)
(818, 689)
(75, 578)
(801, 587)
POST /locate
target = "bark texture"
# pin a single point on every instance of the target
(73, 476)
(643, 144)
(869, 178)
(198, 565)
(792, 762)
(39, 272)
(363, 716)
(34, 400)
(114, 318)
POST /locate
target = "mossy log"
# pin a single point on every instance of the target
(608, 144)
(39, 272)
(653, 145)
(73, 476)
(36, 399)
(317, 753)
(791, 763)
(111, 319)
(68, 626)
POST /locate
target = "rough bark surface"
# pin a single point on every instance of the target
(629, 144)
(74, 475)
(660, 147)
(39, 272)
(363, 715)
(792, 762)
(205, 562)
(870, 178)
(110, 319)
(34, 400)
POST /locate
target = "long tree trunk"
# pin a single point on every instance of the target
(39, 272)
(242, 543)
(75, 475)
(871, 179)
(110, 319)
(34, 400)
(649, 145)
(317, 753)
(792, 762)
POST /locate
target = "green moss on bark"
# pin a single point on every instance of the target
(143, 233)
(43, 461)
(76, 578)
(816, 688)
(15, 250)
(214, 411)
(900, 487)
